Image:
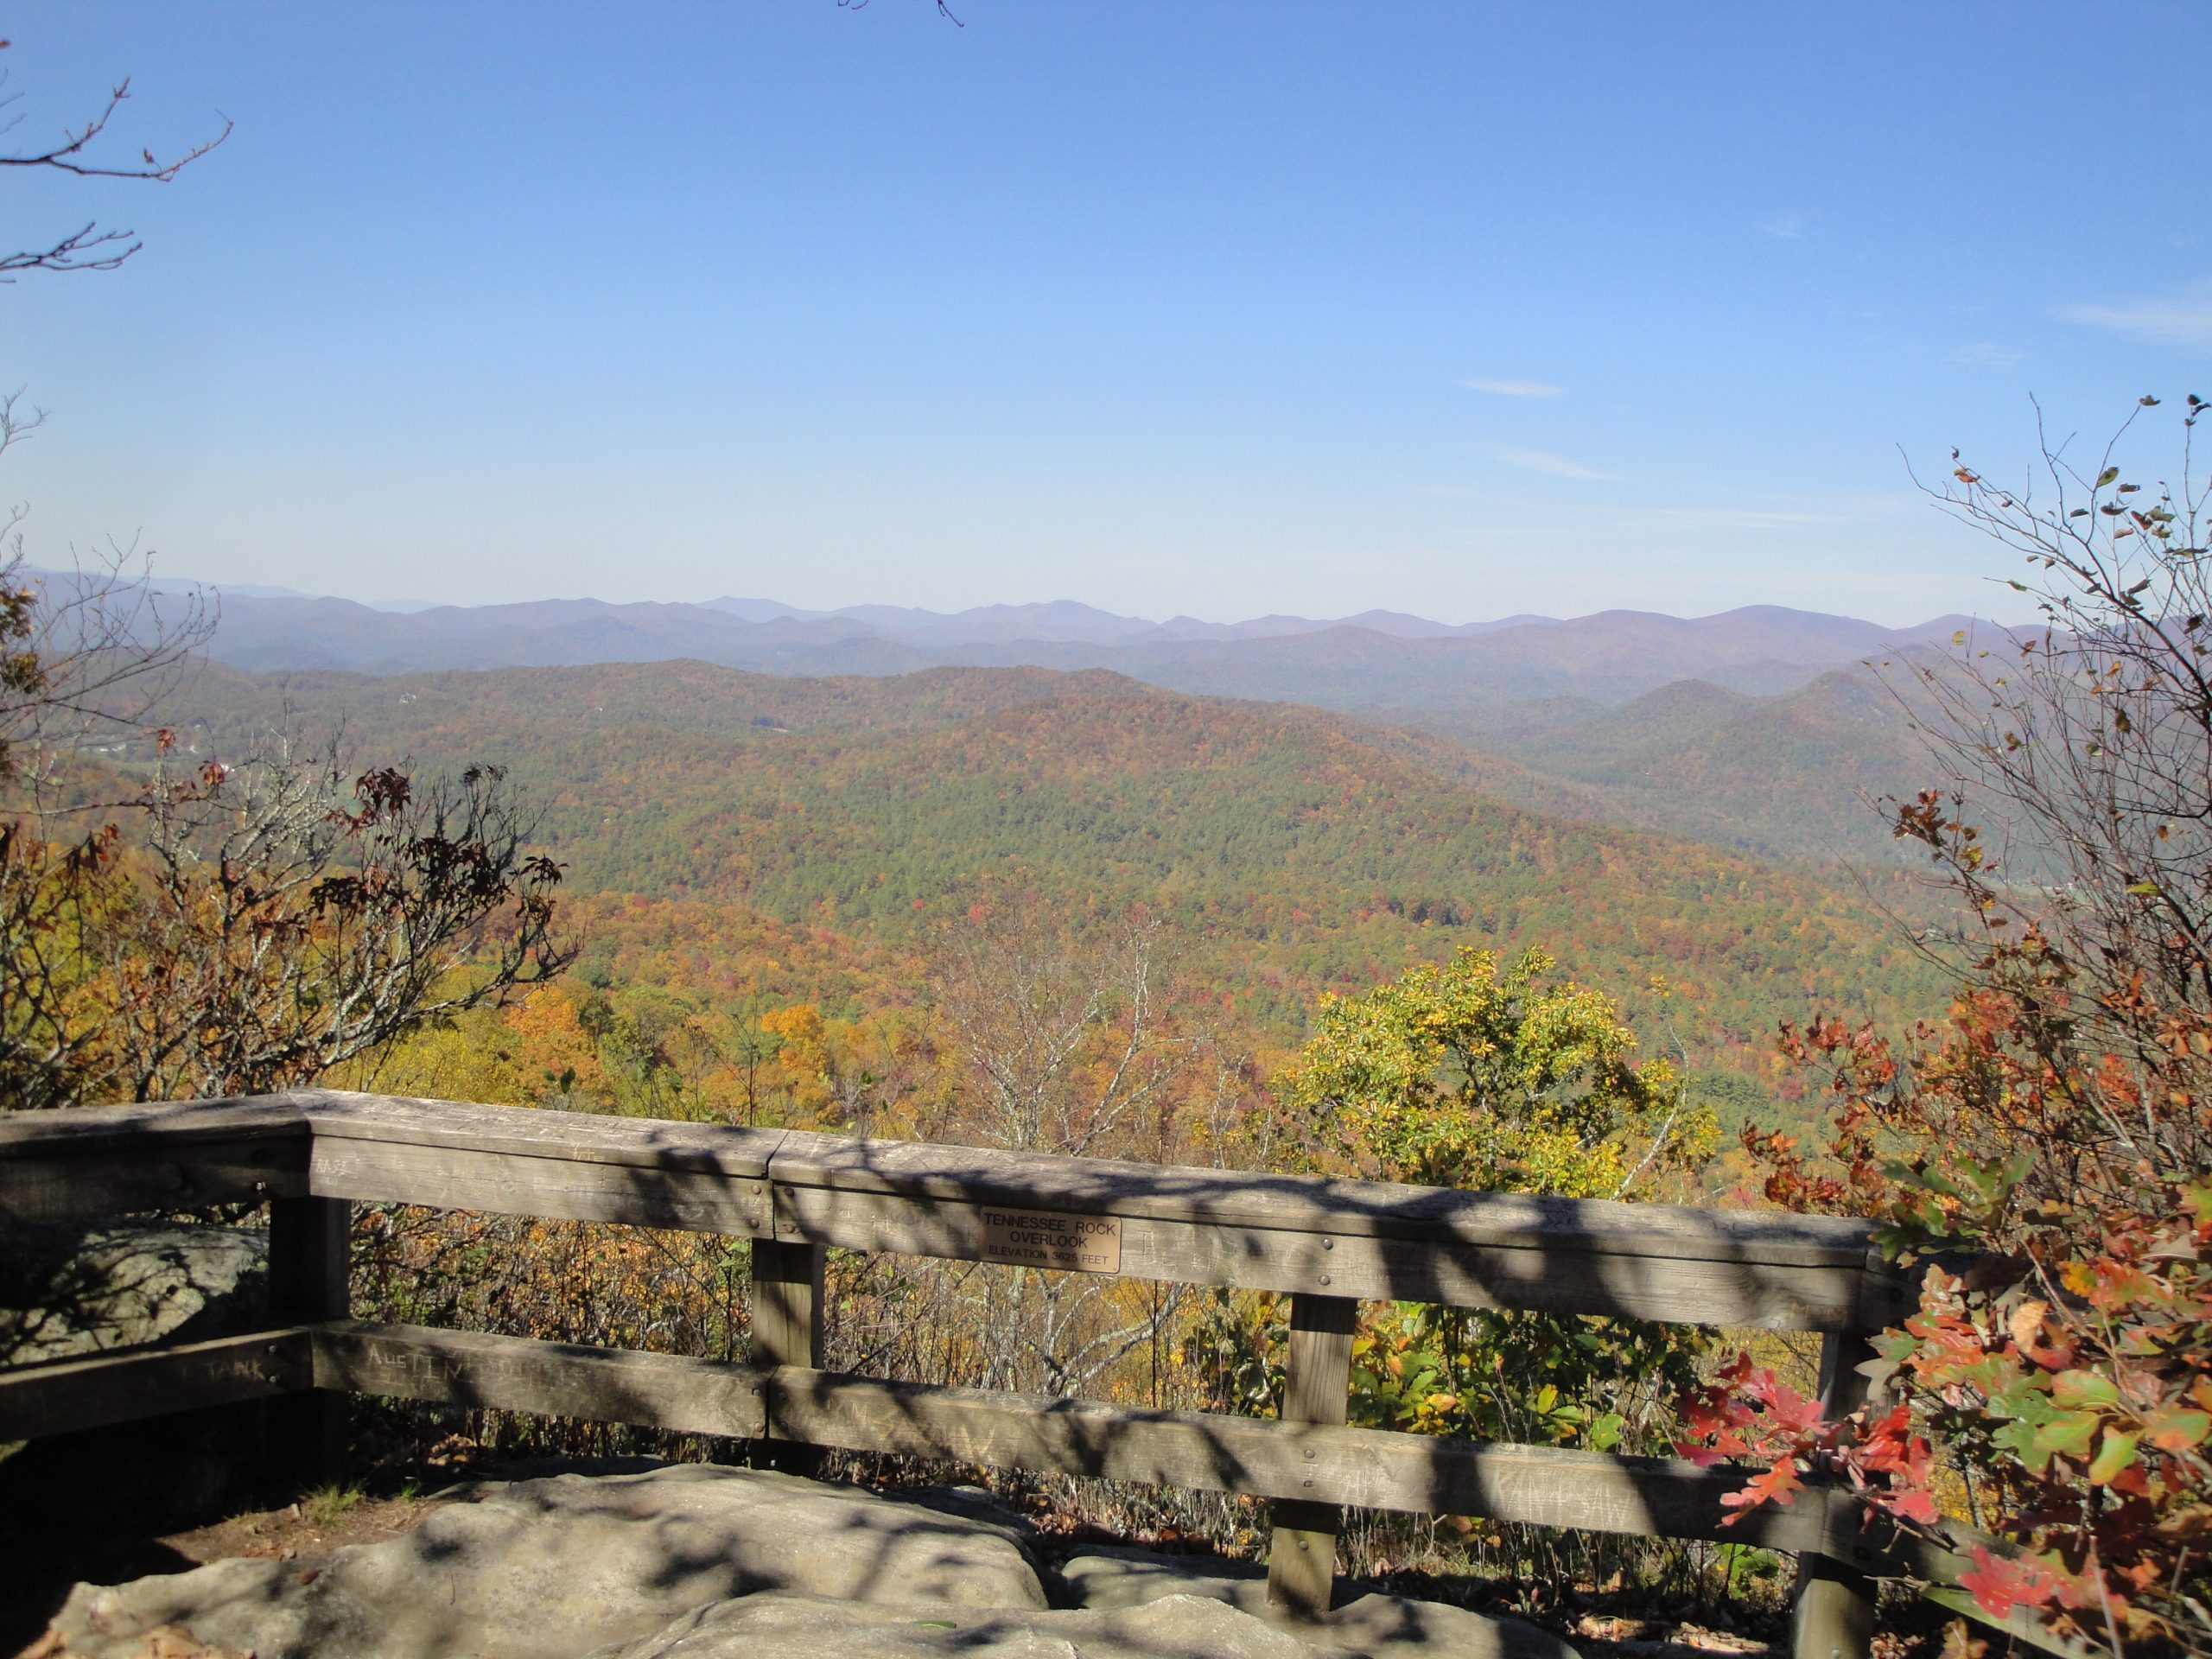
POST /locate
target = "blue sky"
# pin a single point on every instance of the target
(1219, 309)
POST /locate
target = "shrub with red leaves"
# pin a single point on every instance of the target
(2042, 1158)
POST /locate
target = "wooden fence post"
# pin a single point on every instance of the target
(787, 1309)
(1302, 1556)
(1835, 1614)
(310, 1244)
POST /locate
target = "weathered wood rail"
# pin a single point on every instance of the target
(1329, 1244)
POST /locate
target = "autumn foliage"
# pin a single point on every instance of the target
(2042, 1159)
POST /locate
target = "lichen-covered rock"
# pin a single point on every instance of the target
(545, 1568)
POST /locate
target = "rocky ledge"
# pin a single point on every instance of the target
(691, 1561)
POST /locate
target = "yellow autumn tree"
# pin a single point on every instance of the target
(1465, 1073)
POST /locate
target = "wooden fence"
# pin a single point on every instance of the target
(1331, 1244)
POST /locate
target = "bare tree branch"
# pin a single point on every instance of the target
(89, 248)
(943, 10)
(2087, 739)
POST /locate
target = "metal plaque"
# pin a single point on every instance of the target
(1046, 1239)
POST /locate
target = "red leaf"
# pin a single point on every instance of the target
(1776, 1483)
(1999, 1585)
(1790, 1408)
(1907, 1504)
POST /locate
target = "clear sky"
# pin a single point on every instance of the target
(1220, 308)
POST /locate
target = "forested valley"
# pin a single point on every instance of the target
(745, 856)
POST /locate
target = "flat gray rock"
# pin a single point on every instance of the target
(570, 1565)
(798, 1627)
(691, 1561)
(1171, 1626)
(1397, 1624)
(1110, 1578)
(1119, 1580)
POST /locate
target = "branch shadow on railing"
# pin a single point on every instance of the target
(1329, 1244)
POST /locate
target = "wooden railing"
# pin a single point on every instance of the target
(1329, 1244)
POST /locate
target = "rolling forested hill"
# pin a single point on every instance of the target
(1292, 850)
(1796, 776)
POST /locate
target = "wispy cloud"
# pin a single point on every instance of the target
(2184, 320)
(1537, 461)
(1985, 354)
(1789, 227)
(1513, 388)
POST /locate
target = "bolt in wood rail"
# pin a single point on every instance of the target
(1329, 1244)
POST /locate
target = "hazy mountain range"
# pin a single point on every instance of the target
(1377, 663)
(1063, 621)
(1762, 730)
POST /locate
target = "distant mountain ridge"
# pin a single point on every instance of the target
(1066, 622)
(1376, 663)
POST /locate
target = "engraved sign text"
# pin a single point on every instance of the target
(1044, 1238)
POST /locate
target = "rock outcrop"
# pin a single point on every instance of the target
(71, 1289)
(701, 1562)
(67, 1290)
